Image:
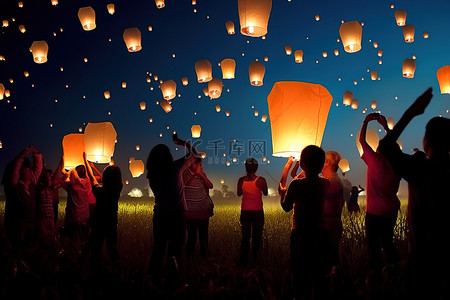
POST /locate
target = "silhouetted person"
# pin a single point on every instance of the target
(382, 203)
(427, 274)
(346, 188)
(165, 176)
(353, 205)
(251, 187)
(196, 192)
(308, 242)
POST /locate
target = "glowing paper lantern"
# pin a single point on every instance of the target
(196, 130)
(443, 76)
(111, 9)
(336, 52)
(324, 54)
(374, 75)
(107, 94)
(87, 18)
(215, 88)
(373, 104)
(254, 16)
(228, 67)
(39, 49)
(26, 73)
(298, 112)
(380, 53)
(426, 35)
(230, 27)
(400, 17)
(136, 167)
(7, 93)
(73, 148)
(408, 33)
(142, 105)
(206, 91)
(227, 113)
(20, 4)
(256, 72)
(317, 17)
(371, 138)
(390, 123)
(2, 91)
(288, 49)
(217, 108)
(168, 89)
(354, 104)
(256, 113)
(348, 97)
(351, 34)
(54, 2)
(408, 68)
(160, 3)
(99, 141)
(5, 23)
(184, 80)
(165, 105)
(375, 44)
(132, 38)
(22, 28)
(203, 68)
(124, 85)
(298, 56)
(263, 118)
(344, 165)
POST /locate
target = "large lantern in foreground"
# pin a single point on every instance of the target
(203, 68)
(136, 167)
(351, 34)
(87, 18)
(132, 38)
(256, 72)
(73, 148)
(99, 141)
(254, 16)
(344, 165)
(371, 138)
(408, 68)
(2, 91)
(298, 112)
(228, 66)
(39, 49)
(168, 89)
(443, 76)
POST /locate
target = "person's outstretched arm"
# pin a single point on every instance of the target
(263, 186)
(295, 169)
(18, 165)
(89, 172)
(362, 136)
(282, 185)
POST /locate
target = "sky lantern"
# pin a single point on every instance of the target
(355, 103)
(230, 27)
(254, 16)
(443, 76)
(73, 148)
(160, 3)
(203, 68)
(168, 89)
(348, 97)
(184, 81)
(111, 8)
(256, 72)
(375, 45)
(344, 165)
(288, 49)
(228, 66)
(408, 68)
(426, 35)
(227, 113)
(298, 112)
(39, 49)
(132, 38)
(217, 108)
(22, 28)
(336, 52)
(317, 17)
(351, 34)
(20, 3)
(215, 88)
(124, 85)
(7, 93)
(206, 91)
(54, 2)
(87, 18)
(400, 17)
(380, 53)
(263, 118)
(99, 141)
(408, 33)
(374, 75)
(373, 104)
(2, 91)
(371, 138)
(196, 130)
(107, 94)
(26, 73)
(165, 105)
(5, 23)
(256, 113)
(298, 56)
(390, 123)
(136, 167)
(142, 105)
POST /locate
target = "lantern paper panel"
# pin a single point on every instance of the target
(298, 112)
(344, 165)
(86, 15)
(99, 141)
(73, 148)
(132, 38)
(371, 138)
(351, 34)
(443, 76)
(228, 66)
(136, 167)
(256, 72)
(254, 16)
(203, 68)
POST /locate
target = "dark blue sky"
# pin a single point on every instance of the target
(26, 118)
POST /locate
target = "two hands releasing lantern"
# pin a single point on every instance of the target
(99, 141)
(298, 114)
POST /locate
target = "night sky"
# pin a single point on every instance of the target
(51, 103)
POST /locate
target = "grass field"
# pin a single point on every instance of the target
(220, 276)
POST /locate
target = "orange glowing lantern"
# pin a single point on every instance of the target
(2, 91)
(165, 105)
(5, 23)
(373, 104)
(374, 75)
(355, 103)
(215, 88)
(390, 123)
(324, 54)
(196, 130)
(408, 33)
(254, 16)
(426, 35)
(184, 81)
(336, 52)
(375, 44)
(168, 89)
(228, 67)
(7, 93)
(408, 68)
(344, 165)
(256, 72)
(124, 85)
(227, 113)
(99, 141)
(142, 105)
(351, 34)
(22, 28)
(206, 91)
(26, 73)
(203, 68)
(371, 138)
(217, 108)
(39, 49)
(443, 76)
(111, 9)
(348, 97)
(132, 38)
(136, 167)
(230, 27)
(107, 94)
(160, 3)
(298, 113)
(263, 118)
(380, 53)
(317, 17)
(298, 56)
(256, 113)
(54, 2)
(20, 3)
(400, 17)
(87, 18)
(288, 49)
(73, 148)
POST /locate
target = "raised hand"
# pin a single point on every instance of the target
(418, 107)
